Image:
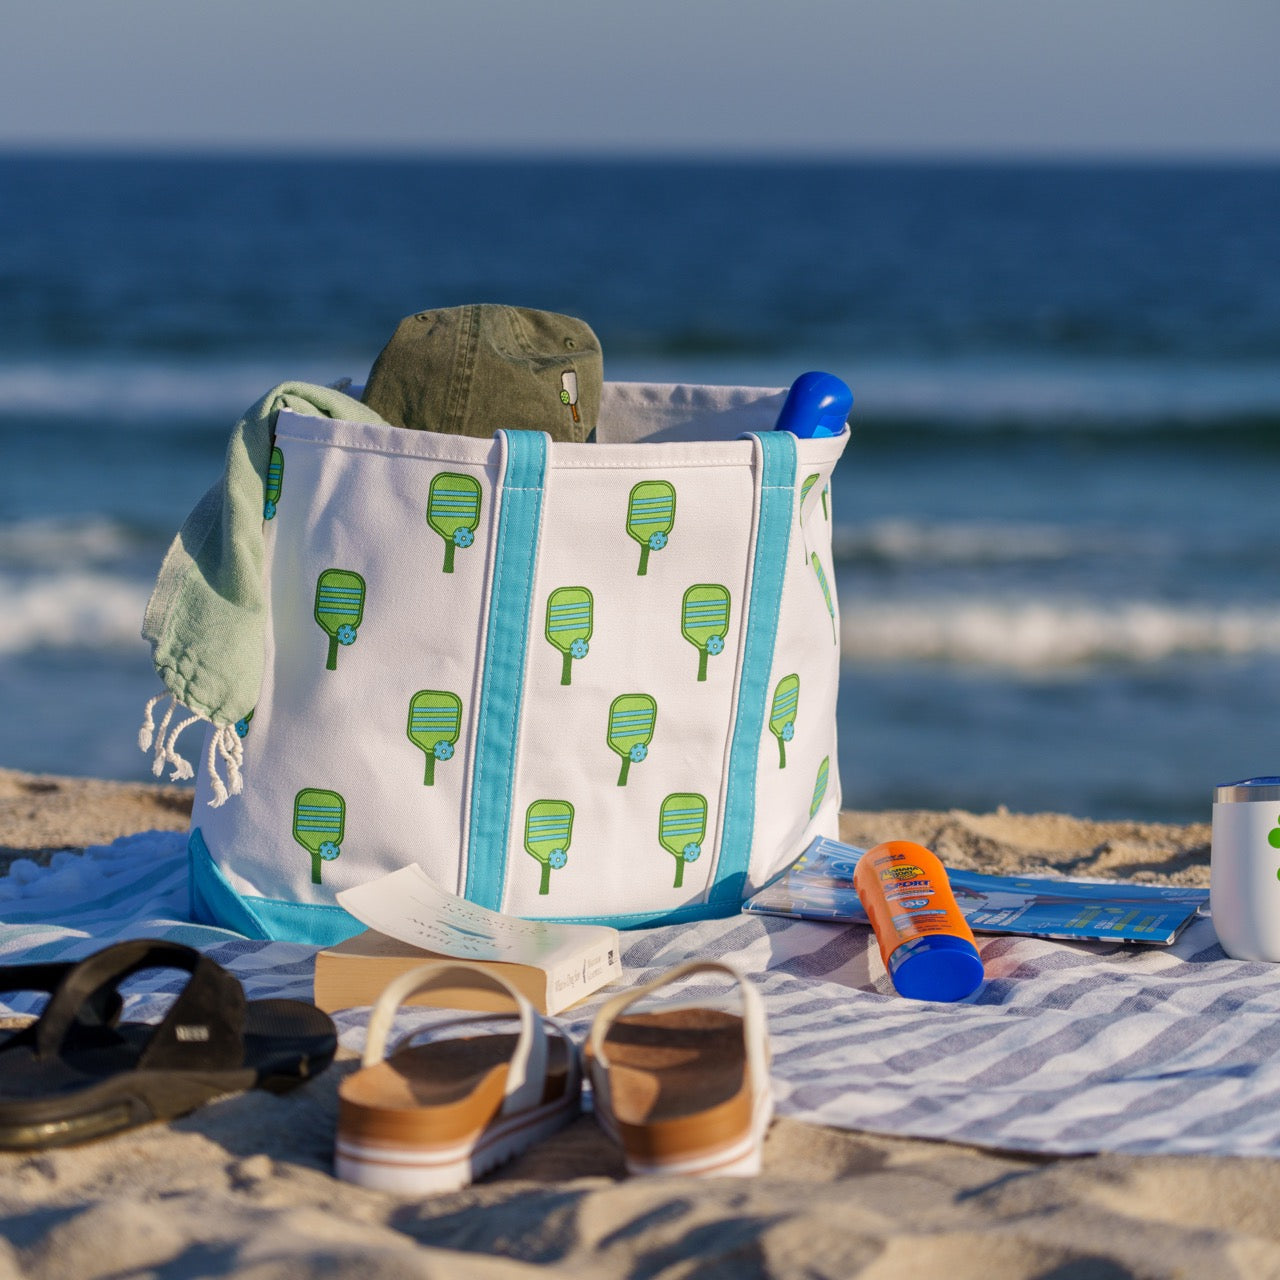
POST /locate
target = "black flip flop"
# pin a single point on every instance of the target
(72, 1078)
(102, 1010)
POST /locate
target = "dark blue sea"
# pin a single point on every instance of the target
(1057, 525)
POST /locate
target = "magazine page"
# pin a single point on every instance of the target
(819, 886)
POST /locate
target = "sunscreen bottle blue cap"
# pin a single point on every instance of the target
(817, 405)
(938, 966)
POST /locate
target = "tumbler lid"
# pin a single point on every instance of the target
(1266, 789)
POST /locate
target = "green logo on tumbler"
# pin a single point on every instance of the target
(569, 623)
(704, 621)
(339, 609)
(453, 511)
(435, 721)
(651, 515)
(632, 717)
(319, 820)
(548, 828)
(682, 827)
(1273, 837)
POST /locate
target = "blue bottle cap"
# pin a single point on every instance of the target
(938, 966)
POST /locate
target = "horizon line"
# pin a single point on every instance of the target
(142, 149)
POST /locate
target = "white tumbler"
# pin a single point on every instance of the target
(1244, 868)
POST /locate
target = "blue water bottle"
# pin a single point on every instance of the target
(818, 404)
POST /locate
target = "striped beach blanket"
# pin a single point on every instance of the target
(1066, 1048)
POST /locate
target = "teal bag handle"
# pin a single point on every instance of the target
(776, 454)
(521, 490)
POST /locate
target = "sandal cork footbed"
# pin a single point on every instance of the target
(683, 1089)
(678, 1083)
(438, 1093)
(432, 1117)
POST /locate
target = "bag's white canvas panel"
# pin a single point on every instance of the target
(350, 504)
(360, 754)
(650, 641)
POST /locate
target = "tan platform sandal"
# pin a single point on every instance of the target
(432, 1117)
(684, 1089)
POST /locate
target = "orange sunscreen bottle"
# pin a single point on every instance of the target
(926, 944)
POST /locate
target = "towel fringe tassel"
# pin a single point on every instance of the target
(224, 745)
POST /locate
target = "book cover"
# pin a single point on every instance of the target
(819, 886)
(411, 921)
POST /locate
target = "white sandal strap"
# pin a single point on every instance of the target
(527, 1072)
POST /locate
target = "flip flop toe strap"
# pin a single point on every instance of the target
(203, 1029)
(527, 1071)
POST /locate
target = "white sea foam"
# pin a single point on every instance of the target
(149, 388)
(43, 542)
(970, 390)
(902, 541)
(1048, 634)
(81, 609)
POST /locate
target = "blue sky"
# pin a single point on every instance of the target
(1161, 78)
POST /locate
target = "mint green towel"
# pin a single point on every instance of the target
(206, 616)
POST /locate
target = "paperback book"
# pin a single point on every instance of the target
(413, 922)
(819, 886)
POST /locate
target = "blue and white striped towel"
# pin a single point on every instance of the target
(1066, 1048)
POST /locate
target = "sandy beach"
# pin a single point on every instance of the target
(243, 1186)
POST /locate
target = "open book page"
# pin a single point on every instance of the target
(406, 905)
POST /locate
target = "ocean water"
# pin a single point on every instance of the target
(1057, 525)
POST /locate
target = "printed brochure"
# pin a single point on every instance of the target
(819, 886)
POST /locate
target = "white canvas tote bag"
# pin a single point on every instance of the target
(571, 681)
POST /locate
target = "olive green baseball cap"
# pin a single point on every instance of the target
(481, 368)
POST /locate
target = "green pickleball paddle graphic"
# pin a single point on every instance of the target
(275, 482)
(782, 714)
(704, 621)
(820, 785)
(632, 717)
(1273, 838)
(319, 821)
(548, 828)
(651, 515)
(809, 482)
(435, 721)
(339, 609)
(826, 592)
(453, 511)
(682, 827)
(570, 614)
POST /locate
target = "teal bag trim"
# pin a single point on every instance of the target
(502, 680)
(773, 539)
(214, 901)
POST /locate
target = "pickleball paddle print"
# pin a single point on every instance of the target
(570, 619)
(782, 714)
(826, 593)
(548, 829)
(435, 722)
(453, 512)
(820, 786)
(682, 827)
(632, 719)
(651, 515)
(319, 823)
(339, 609)
(275, 483)
(704, 621)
